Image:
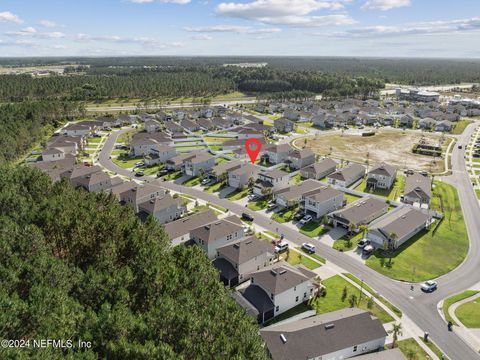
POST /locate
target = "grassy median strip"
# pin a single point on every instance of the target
(434, 348)
(452, 300)
(412, 350)
(469, 314)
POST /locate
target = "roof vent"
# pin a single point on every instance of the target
(274, 272)
(329, 326)
(236, 246)
(283, 338)
(283, 271)
(152, 201)
(248, 242)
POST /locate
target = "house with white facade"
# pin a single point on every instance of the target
(358, 213)
(298, 159)
(163, 208)
(199, 164)
(322, 201)
(381, 176)
(239, 177)
(271, 179)
(276, 153)
(179, 230)
(347, 175)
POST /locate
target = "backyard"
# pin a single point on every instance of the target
(429, 254)
(391, 194)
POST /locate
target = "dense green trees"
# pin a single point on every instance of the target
(76, 265)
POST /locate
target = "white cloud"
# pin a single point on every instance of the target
(233, 29)
(203, 37)
(287, 12)
(422, 28)
(180, 2)
(7, 16)
(32, 32)
(48, 23)
(385, 5)
(145, 41)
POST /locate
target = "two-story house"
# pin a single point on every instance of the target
(322, 201)
(200, 163)
(381, 176)
(271, 179)
(140, 194)
(163, 208)
(239, 178)
(275, 154)
(298, 159)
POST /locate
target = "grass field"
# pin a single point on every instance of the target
(477, 191)
(355, 148)
(351, 198)
(192, 182)
(284, 215)
(127, 163)
(460, 126)
(313, 229)
(344, 244)
(238, 194)
(469, 314)
(295, 257)
(210, 139)
(452, 300)
(215, 187)
(296, 179)
(258, 205)
(172, 176)
(333, 300)
(427, 255)
(390, 194)
(315, 256)
(412, 350)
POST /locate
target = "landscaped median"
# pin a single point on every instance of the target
(452, 300)
(431, 253)
(469, 313)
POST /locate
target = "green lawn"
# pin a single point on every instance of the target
(469, 314)
(412, 350)
(258, 205)
(427, 255)
(127, 163)
(343, 244)
(294, 257)
(238, 194)
(301, 308)
(296, 179)
(94, 140)
(313, 229)
(333, 299)
(477, 191)
(172, 176)
(215, 187)
(452, 300)
(390, 194)
(351, 198)
(220, 160)
(434, 348)
(153, 169)
(215, 148)
(315, 256)
(460, 126)
(210, 139)
(192, 182)
(264, 164)
(271, 233)
(119, 152)
(125, 137)
(356, 280)
(284, 215)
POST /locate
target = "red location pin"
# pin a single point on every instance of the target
(253, 147)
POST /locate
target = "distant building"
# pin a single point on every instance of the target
(416, 95)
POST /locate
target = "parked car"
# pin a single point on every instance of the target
(247, 217)
(298, 216)
(459, 146)
(368, 250)
(140, 164)
(308, 247)
(252, 197)
(271, 207)
(281, 247)
(306, 219)
(139, 173)
(205, 181)
(162, 172)
(429, 286)
(362, 243)
(96, 135)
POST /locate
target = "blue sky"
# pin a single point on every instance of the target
(406, 28)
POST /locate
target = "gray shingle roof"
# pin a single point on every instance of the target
(245, 250)
(360, 210)
(187, 224)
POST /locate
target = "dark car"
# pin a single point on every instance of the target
(162, 172)
(247, 217)
(298, 216)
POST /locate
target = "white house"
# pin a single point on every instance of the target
(272, 179)
(381, 176)
(322, 201)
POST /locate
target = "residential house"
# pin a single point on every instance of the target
(160, 155)
(381, 176)
(140, 194)
(152, 126)
(206, 124)
(163, 208)
(54, 169)
(53, 154)
(426, 123)
(298, 159)
(347, 175)
(144, 143)
(406, 121)
(398, 226)
(77, 129)
(359, 213)
(319, 170)
(236, 261)
(240, 177)
(67, 144)
(217, 234)
(119, 188)
(176, 163)
(199, 164)
(340, 334)
(321, 201)
(292, 195)
(173, 129)
(418, 190)
(389, 354)
(179, 231)
(272, 180)
(276, 154)
(284, 125)
(189, 125)
(444, 126)
(276, 289)
(95, 182)
(78, 171)
(220, 172)
(247, 133)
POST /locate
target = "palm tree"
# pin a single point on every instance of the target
(363, 228)
(396, 330)
(267, 192)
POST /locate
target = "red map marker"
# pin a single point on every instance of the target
(253, 147)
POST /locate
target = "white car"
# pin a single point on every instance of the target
(429, 286)
(281, 247)
(252, 197)
(205, 181)
(306, 219)
(368, 250)
(308, 247)
(362, 243)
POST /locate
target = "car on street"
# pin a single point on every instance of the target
(281, 247)
(362, 243)
(308, 247)
(368, 250)
(247, 217)
(306, 219)
(429, 286)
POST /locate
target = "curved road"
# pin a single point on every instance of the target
(420, 308)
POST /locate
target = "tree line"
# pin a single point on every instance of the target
(77, 265)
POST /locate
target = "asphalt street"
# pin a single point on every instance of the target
(420, 308)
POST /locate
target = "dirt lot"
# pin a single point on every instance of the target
(393, 147)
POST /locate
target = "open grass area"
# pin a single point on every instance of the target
(469, 314)
(215, 148)
(238, 194)
(452, 300)
(333, 300)
(258, 205)
(127, 163)
(477, 191)
(351, 198)
(284, 215)
(294, 257)
(460, 126)
(356, 280)
(192, 182)
(215, 187)
(152, 170)
(434, 348)
(93, 140)
(391, 194)
(411, 350)
(313, 229)
(126, 136)
(427, 255)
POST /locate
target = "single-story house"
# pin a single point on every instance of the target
(418, 189)
(360, 212)
(292, 195)
(140, 194)
(152, 126)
